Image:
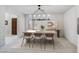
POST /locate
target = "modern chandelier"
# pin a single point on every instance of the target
(40, 14)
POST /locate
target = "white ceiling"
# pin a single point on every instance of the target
(29, 9)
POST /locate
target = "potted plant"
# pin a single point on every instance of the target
(42, 27)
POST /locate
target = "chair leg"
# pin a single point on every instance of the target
(41, 43)
(45, 43)
(33, 43)
(29, 43)
(26, 42)
(53, 43)
(22, 43)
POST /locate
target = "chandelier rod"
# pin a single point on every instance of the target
(39, 8)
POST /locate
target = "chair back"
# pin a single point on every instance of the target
(27, 34)
(38, 34)
(49, 34)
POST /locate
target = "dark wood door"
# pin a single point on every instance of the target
(14, 26)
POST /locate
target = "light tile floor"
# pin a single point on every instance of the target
(61, 46)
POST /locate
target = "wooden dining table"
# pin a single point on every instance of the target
(38, 31)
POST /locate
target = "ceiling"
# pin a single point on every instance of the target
(29, 9)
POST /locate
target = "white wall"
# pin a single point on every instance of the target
(21, 24)
(59, 18)
(77, 34)
(70, 25)
(2, 26)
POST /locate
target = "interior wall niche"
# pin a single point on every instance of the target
(14, 26)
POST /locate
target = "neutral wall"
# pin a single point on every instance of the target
(70, 25)
(77, 22)
(21, 24)
(2, 26)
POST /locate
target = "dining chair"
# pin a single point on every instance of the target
(38, 36)
(33, 39)
(49, 37)
(27, 36)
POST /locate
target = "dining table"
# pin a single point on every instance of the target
(39, 31)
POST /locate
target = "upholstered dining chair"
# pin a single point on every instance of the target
(27, 36)
(49, 37)
(38, 36)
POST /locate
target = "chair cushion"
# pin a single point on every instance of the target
(49, 38)
(27, 37)
(37, 37)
